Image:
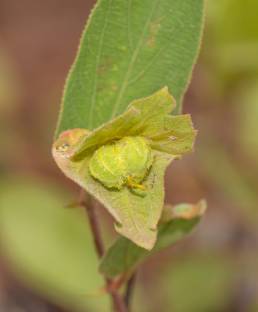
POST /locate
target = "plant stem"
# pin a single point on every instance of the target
(129, 291)
(88, 204)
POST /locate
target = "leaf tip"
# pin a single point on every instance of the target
(145, 237)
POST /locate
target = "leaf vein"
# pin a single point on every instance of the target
(143, 72)
(98, 56)
(131, 63)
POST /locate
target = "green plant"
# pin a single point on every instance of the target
(115, 135)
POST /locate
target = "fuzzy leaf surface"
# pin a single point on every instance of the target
(129, 49)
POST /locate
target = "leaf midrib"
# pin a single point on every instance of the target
(131, 63)
(93, 97)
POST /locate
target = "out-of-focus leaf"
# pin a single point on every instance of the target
(248, 119)
(196, 283)
(176, 222)
(48, 246)
(229, 179)
(234, 44)
(226, 14)
(168, 136)
(128, 50)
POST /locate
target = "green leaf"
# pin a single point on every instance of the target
(50, 247)
(137, 216)
(128, 50)
(176, 222)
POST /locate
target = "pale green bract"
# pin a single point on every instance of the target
(146, 126)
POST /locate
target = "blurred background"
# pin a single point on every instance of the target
(47, 260)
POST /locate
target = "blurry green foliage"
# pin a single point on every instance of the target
(234, 21)
(198, 283)
(232, 39)
(220, 167)
(248, 118)
(49, 246)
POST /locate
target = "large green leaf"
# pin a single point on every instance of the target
(50, 247)
(137, 216)
(129, 49)
(177, 221)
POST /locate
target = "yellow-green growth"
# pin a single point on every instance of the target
(124, 162)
